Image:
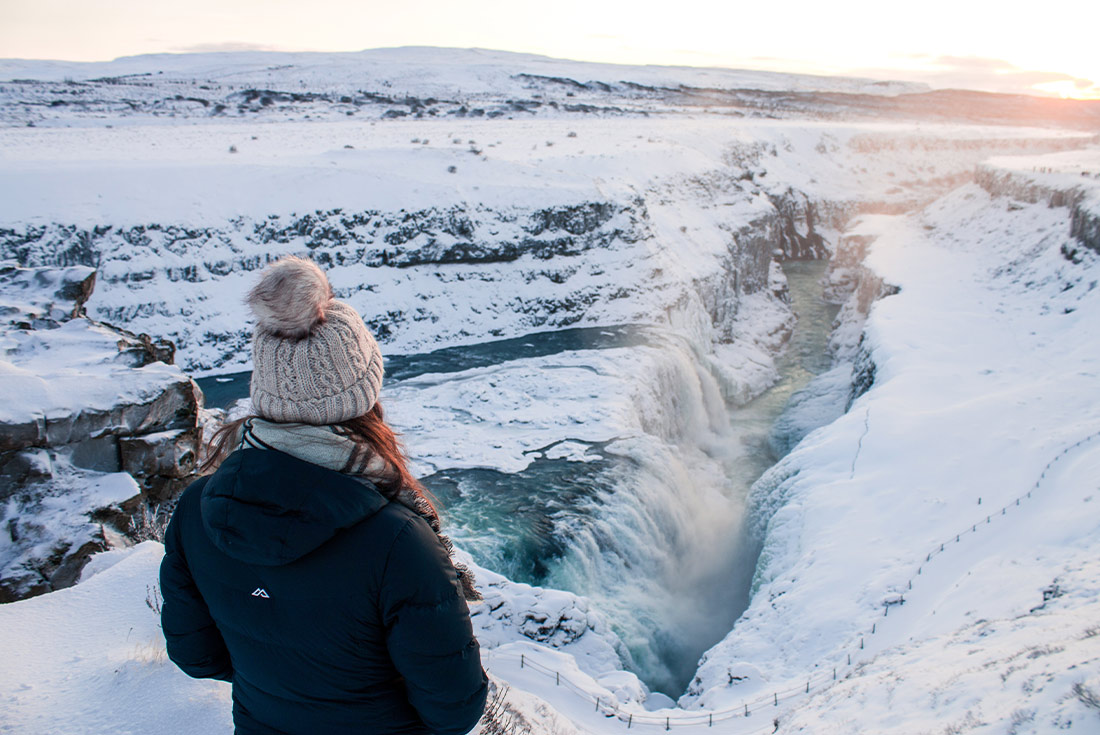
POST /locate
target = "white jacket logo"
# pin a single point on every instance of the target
(261, 592)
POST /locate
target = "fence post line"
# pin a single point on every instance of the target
(776, 699)
(861, 644)
(667, 728)
(629, 720)
(710, 720)
(521, 660)
(557, 678)
(834, 673)
(746, 710)
(807, 687)
(597, 704)
(849, 659)
(875, 625)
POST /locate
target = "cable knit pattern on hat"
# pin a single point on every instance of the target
(323, 369)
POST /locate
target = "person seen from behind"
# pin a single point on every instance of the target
(309, 569)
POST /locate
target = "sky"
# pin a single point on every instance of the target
(1047, 47)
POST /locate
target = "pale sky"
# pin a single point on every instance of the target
(1008, 46)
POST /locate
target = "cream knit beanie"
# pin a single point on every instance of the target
(313, 359)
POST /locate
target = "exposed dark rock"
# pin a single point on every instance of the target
(169, 454)
(798, 240)
(863, 374)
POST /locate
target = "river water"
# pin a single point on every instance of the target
(651, 531)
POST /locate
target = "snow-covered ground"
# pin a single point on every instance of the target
(984, 368)
(986, 364)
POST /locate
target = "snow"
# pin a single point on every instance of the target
(982, 359)
(985, 363)
(423, 70)
(981, 363)
(91, 658)
(180, 223)
(76, 367)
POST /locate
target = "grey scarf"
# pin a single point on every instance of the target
(322, 445)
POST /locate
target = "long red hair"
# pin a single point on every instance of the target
(369, 431)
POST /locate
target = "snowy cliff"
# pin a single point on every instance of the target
(950, 503)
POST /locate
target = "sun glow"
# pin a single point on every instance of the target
(1069, 90)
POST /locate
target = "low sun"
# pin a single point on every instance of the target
(1069, 90)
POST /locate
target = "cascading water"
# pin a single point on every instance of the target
(649, 526)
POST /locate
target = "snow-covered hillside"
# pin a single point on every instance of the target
(595, 298)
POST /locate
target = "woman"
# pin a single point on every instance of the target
(309, 570)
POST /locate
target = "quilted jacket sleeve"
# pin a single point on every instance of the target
(194, 642)
(430, 639)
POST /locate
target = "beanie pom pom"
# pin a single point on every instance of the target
(291, 297)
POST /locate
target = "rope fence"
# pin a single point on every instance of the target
(774, 703)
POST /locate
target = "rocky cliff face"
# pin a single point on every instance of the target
(468, 271)
(96, 422)
(1080, 193)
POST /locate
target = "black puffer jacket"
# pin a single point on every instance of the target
(330, 609)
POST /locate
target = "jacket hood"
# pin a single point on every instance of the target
(268, 508)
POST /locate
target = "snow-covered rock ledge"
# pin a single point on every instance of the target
(93, 420)
(981, 361)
